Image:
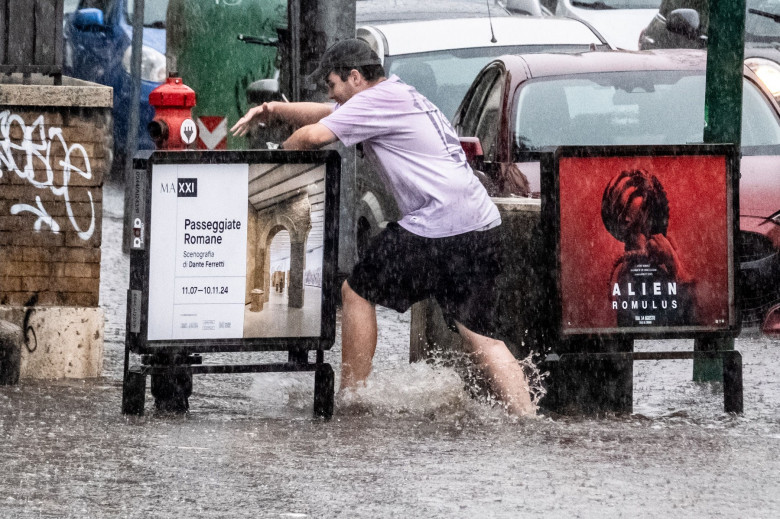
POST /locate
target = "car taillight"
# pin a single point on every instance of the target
(472, 147)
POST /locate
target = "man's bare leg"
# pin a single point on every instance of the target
(504, 373)
(358, 337)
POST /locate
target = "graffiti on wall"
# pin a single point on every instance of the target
(30, 158)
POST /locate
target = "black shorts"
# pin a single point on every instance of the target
(461, 272)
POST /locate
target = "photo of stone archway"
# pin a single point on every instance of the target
(284, 250)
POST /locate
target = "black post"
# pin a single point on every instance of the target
(324, 391)
(723, 122)
(135, 117)
(732, 383)
(11, 339)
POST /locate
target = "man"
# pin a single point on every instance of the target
(447, 244)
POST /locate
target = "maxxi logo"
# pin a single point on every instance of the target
(187, 187)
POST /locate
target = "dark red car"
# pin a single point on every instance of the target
(520, 104)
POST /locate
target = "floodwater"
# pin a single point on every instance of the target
(413, 443)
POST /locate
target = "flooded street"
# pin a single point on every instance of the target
(414, 443)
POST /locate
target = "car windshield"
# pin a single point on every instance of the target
(762, 22)
(631, 108)
(154, 12)
(445, 76)
(616, 4)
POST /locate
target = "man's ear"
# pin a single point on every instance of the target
(355, 77)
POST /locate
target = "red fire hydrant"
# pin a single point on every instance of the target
(172, 127)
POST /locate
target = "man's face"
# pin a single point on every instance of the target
(338, 90)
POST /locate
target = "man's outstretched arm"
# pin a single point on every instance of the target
(310, 137)
(296, 114)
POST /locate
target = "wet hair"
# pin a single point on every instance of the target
(369, 72)
(655, 205)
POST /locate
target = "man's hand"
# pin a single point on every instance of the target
(258, 115)
(295, 114)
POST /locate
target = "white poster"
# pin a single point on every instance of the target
(197, 271)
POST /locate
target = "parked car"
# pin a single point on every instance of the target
(97, 47)
(685, 23)
(520, 104)
(382, 11)
(442, 66)
(618, 21)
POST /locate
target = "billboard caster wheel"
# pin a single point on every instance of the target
(172, 390)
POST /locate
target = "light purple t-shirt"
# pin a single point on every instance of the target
(419, 157)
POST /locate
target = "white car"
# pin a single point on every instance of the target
(441, 58)
(618, 21)
(382, 11)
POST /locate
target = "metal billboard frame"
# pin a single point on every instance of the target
(172, 362)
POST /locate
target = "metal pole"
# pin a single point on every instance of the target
(132, 139)
(294, 16)
(723, 123)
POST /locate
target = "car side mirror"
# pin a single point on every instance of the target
(89, 19)
(685, 22)
(771, 326)
(526, 7)
(263, 91)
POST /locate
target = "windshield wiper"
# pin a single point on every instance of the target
(591, 5)
(774, 17)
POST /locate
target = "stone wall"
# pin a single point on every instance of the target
(55, 149)
(54, 153)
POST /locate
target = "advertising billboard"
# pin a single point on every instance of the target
(235, 251)
(644, 239)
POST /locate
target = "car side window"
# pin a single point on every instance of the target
(471, 113)
(761, 128)
(480, 117)
(487, 126)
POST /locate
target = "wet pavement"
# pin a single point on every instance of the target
(412, 443)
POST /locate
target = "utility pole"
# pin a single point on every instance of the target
(313, 26)
(723, 123)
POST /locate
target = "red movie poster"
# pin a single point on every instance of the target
(644, 244)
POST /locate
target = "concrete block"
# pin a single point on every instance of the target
(72, 93)
(59, 342)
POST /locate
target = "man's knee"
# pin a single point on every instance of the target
(477, 342)
(349, 296)
(346, 291)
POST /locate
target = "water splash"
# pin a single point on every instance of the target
(418, 389)
(444, 389)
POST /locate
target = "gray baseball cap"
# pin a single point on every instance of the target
(347, 54)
